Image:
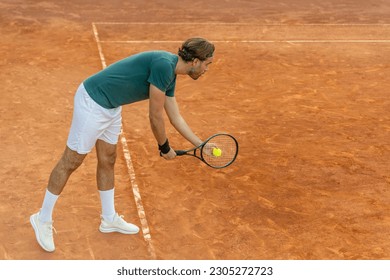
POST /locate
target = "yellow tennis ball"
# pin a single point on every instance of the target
(217, 152)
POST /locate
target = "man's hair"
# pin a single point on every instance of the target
(196, 48)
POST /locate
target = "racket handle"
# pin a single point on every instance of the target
(180, 152)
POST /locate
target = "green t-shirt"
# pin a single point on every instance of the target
(127, 81)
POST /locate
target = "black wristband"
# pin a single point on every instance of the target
(164, 148)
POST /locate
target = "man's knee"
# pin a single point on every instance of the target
(71, 160)
(107, 158)
(106, 154)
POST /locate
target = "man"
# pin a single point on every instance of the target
(97, 122)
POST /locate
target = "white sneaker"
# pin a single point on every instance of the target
(118, 225)
(43, 232)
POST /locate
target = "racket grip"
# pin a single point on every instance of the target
(180, 152)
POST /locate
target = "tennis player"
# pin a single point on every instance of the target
(97, 123)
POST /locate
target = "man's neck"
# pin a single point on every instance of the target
(182, 67)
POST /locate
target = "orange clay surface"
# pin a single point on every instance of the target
(303, 85)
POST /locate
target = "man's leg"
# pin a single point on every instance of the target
(42, 221)
(68, 163)
(89, 122)
(105, 177)
(111, 221)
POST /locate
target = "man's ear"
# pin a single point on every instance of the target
(195, 61)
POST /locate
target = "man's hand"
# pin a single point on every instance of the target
(170, 155)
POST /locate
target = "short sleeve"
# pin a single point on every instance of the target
(161, 74)
(171, 90)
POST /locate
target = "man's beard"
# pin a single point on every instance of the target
(193, 74)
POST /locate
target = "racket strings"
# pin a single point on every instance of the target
(228, 151)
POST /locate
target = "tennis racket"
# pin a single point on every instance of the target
(218, 151)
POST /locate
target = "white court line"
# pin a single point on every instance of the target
(99, 46)
(126, 152)
(294, 41)
(248, 41)
(242, 23)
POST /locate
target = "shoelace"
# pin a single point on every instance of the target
(121, 220)
(49, 228)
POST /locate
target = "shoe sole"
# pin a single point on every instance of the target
(109, 230)
(35, 227)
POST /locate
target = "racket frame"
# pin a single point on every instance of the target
(199, 149)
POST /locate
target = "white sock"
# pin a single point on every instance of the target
(108, 206)
(45, 215)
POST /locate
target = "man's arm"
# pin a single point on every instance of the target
(156, 117)
(172, 110)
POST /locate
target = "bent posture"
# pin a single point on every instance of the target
(97, 122)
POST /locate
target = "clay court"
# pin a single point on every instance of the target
(303, 86)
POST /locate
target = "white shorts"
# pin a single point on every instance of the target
(92, 122)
